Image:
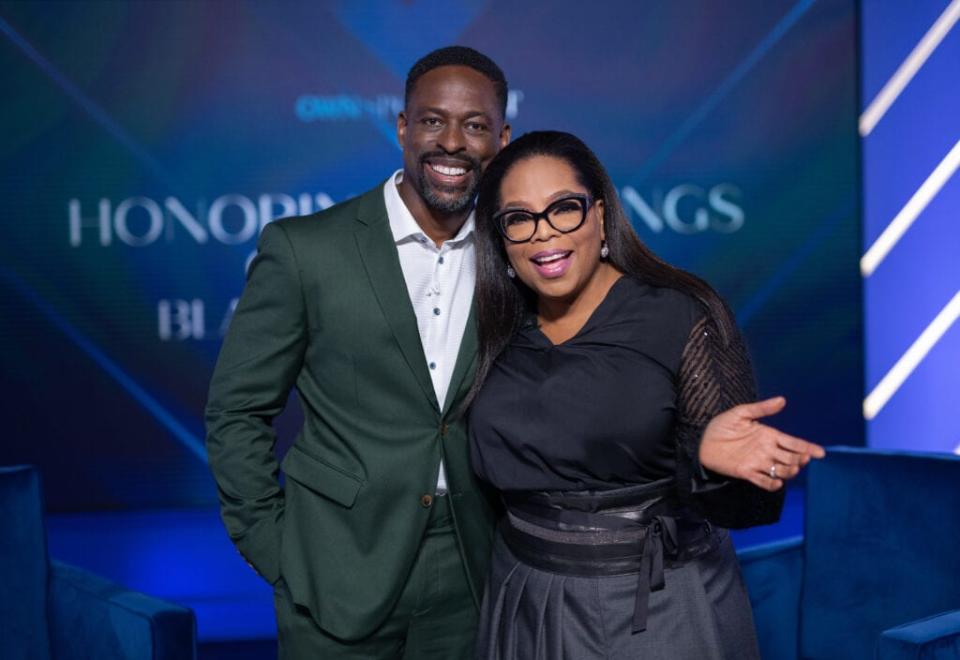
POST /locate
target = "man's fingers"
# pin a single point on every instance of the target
(764, 408)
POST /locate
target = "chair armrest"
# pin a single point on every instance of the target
(934, 638)
(91, 617)
(773, 573)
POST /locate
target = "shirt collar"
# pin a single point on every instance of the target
(404, 227)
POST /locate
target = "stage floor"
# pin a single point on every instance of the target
(186, 558)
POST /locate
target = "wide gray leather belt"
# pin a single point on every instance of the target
(634, 530)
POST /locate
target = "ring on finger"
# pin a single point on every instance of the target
(773, 471)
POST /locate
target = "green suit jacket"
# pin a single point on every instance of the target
(326, 310)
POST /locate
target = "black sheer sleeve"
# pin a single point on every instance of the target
(714, 376)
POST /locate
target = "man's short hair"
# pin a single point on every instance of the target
(459, 56)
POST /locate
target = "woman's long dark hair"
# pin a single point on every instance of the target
(503, 303)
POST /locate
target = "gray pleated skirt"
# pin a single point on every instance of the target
(703, 613)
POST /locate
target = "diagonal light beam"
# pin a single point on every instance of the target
(908, 69)
(890, 383)
(791, 264)
(909, 213)
(190, 441)
(760, 51)
(94, 111)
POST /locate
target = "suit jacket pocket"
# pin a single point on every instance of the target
(321, 477)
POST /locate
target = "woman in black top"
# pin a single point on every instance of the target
(598, 413)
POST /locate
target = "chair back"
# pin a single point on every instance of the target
(882, 546)
(23, 566)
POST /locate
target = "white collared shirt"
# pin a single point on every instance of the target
(440, 281)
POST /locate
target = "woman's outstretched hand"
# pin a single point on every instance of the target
(736, 445)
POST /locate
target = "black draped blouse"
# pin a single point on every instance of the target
(622, 402)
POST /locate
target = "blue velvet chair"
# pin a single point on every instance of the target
(877, 571)
(52, 610)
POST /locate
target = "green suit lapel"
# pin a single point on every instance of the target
(382, 264)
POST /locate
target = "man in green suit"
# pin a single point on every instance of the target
(377, 545)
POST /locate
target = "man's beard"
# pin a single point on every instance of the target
(444, 203)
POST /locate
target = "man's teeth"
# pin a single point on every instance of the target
(553, 257)
(448, 171)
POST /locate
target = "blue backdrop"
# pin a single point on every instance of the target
(144, 145)
(911, 156)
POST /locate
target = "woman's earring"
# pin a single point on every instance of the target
(604, 250)
(511, 273)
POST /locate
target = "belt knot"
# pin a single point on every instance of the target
(661, 538)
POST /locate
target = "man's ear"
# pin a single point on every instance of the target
(401, 127)
(505, 134)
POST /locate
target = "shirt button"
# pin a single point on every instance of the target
(440, 260)
(426, 501)
(436, 311)
(433, 365)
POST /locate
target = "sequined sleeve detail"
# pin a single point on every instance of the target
(715, 374)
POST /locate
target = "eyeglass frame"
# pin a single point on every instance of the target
(584, 199)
